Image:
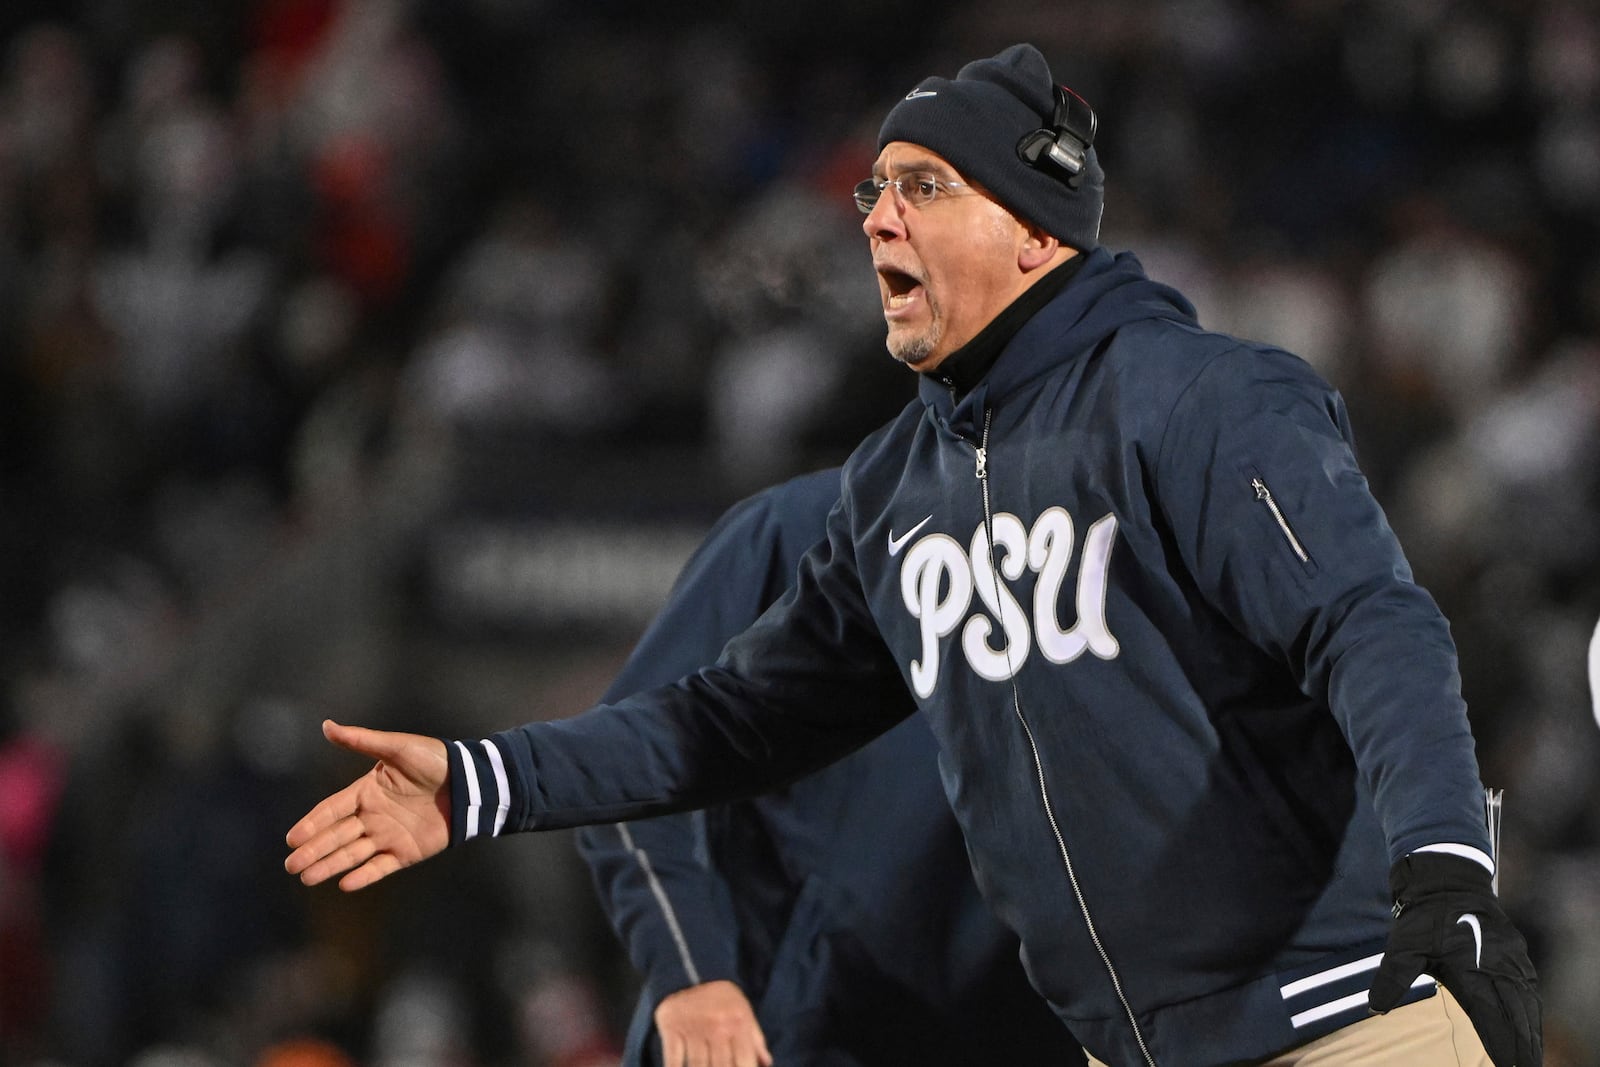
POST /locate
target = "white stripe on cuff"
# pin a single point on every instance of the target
(474, 795)
(501, 783)
(1476, 855)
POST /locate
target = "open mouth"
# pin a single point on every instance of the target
(900, 288)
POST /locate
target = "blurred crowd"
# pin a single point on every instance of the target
(383, 360)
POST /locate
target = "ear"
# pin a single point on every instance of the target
(1038, 249)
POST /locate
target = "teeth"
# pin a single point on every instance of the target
(900, 300)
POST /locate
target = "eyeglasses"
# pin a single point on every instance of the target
(916, 188)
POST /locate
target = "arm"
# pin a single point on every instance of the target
(808, 683)
(655, 878)
(1307, 569)
(667, 903)
(1258, 477)
(399, 814)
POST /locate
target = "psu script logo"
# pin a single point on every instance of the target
(938, 579)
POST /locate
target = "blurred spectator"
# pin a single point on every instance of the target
(796, 296)
(31, 779)
(516, 347)
(1447, 311)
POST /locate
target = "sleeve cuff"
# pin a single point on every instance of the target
(480, 792)
(1476, 855)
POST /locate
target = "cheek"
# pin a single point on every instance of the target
(963, 288)
(970, 291)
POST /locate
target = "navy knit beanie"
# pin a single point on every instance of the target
(976, 121)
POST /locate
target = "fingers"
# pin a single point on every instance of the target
(673, 1051)
(377, 868)
(733, 1053)
(344, 847)
(314, 843)
(1393, 978)
(691, 1049)
(340, 805)
(711, 1025)
(378, 744)
(1520, 1007)
(722, 1054)
(1505, 1013)
(1487, 1013)
(336, 848)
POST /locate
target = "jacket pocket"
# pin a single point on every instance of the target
(1285, 531)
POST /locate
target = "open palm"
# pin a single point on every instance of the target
(395, 815)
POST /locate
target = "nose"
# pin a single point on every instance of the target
(886, 220)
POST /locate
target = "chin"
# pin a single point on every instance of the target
(917, 353)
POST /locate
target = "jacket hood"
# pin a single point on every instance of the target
(1110, 291)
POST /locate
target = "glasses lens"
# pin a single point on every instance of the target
(918, 187)
(867, 194)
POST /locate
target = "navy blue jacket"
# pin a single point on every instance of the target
(1189, 709)
(843, 905)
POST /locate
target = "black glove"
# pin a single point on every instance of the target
(1448, 923)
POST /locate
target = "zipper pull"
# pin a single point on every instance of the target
(983, 445)
(1262, 492)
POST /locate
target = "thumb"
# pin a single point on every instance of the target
(377, 744)
(1393, 977)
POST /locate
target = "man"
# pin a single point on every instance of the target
(832, 923)
(1199, 726)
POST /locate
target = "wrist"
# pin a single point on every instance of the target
(479, 788)
(1476, 855)
(1426, 874)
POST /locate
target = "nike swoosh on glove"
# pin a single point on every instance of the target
(1448, 923)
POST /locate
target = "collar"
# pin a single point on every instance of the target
(966, 366)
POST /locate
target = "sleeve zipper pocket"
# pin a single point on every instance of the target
(1264, 495)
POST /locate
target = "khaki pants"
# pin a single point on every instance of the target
(1430, 1033)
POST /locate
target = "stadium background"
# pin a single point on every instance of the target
(384, 360)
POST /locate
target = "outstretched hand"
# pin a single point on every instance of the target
(395, 815)
(710, 1025)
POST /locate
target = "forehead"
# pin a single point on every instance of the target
(899, 157)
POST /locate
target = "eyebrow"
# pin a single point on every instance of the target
(915, 163)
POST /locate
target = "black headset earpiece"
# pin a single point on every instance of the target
(1064, 147)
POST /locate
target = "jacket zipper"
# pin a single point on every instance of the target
(1264, 495)
(1038, 764)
